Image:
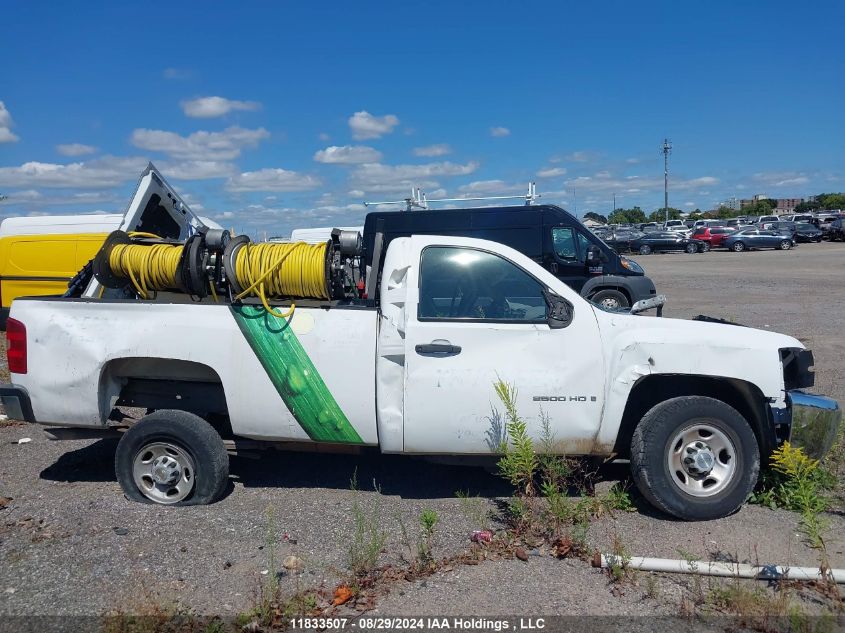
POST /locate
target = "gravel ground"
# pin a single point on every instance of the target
(71, 544)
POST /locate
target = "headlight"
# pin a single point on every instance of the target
(631, 265)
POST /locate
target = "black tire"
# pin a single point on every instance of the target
(738, 247)
(785, 245)
(691, 248)
(611, 299)
(651, 452)
(187, 432)
(645, 249)
(705, 247)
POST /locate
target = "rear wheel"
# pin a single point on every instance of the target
(705, 247)
(645, 249)
(695, 458)
(610, 299)
(172, 457)
(738, 247)
(785, 245)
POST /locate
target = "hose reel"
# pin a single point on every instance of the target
(213, 261)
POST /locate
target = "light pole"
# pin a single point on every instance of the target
(667, 149)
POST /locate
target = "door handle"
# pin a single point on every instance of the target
(443, 349)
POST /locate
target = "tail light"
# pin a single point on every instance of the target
(16, 346)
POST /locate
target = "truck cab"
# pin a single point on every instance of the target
(545, 233)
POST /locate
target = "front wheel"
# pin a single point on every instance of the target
(705, 247)
(785, 245)
(172, 457)
(610, 299)
(738, 247)
(695, 458)
(645, 249)
(691, 248)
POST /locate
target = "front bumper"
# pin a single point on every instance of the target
(813, 421)
(16, 403)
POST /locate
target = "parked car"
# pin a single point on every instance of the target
(797, 217)
(806, 232)
(620, 239)
(754, 238)
(713, 236)
(780, 225)
(766, 218)
(836, 230)
(710, 223)
(665, 241)
(823, 222)
(671, 225)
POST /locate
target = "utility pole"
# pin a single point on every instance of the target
(614, 203)
(574, 202)
(667, 149)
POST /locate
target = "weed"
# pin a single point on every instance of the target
(518, 463)
(474, 508)
(620, 559)
(692, 562)
(428, 521)
(652, 587)
(368, 539)
(798, 483)
(617, 498)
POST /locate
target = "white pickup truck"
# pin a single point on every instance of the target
(694, 405)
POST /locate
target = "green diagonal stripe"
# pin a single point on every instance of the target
(293, 374)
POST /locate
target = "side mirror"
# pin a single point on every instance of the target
(595, 255)
(560, 311)
(655, 302)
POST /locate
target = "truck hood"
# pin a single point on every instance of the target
(693, 334)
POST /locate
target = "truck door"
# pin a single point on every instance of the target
(476, 312)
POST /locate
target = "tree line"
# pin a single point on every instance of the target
(635, 215)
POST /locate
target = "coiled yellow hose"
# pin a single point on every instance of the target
(263, 270)
(281, 270)
(149, 268)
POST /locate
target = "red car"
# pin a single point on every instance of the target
(713, 236)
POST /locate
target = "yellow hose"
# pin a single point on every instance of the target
(281, 270)
(267, 269)
(149, 268)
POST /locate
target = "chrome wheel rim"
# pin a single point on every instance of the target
(164, 472)
(701, 460)
(785, 245)
(610, 303)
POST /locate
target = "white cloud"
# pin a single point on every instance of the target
(201, 145)
(551, 172)
(581, 157)
(348, 155)
(197, 169)
(75, 149)
(355, 193)
(491, 187)
(272, 180)
(210, 107)
(324, 137)
(439, 149)
(499, 131)
(378, 177)
(6, 134)
(365, 125)
(781, 179)
(105, 172)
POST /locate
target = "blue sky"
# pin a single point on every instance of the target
(268, 116)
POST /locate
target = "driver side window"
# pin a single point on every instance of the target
(469, 284)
